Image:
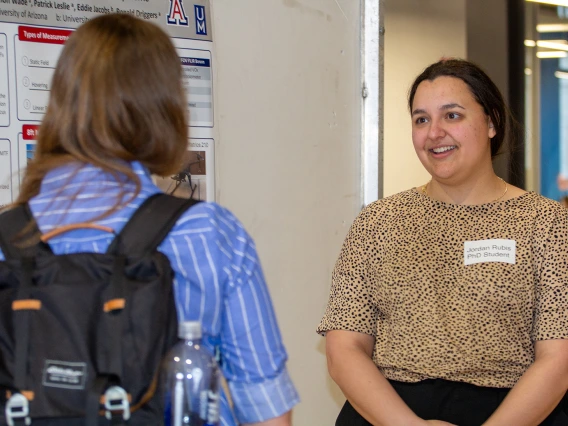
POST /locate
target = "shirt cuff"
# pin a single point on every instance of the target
(261, 401)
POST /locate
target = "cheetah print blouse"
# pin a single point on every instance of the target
(401, 277)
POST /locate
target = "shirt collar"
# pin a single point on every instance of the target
(87, 173)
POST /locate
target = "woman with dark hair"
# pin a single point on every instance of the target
(449, 301)
(117, 113)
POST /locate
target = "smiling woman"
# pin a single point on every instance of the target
(459, 123)
(448, 301)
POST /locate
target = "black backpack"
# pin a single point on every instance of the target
(82, 335)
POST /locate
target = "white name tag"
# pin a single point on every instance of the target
(489, 251)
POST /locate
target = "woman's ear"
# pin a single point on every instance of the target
(492, 131)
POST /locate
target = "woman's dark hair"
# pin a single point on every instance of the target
(484, 91)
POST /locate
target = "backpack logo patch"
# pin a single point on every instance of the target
(62, 374)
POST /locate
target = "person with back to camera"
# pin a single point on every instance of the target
(456, 290)
(116, 114)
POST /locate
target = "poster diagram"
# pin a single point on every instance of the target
(36, 53)
(5, 172)
(32, 37)
(196, 66)
(4, 101)
(191, 181)
(26, 146)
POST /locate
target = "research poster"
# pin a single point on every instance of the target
(32, 35)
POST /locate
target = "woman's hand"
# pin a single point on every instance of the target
(351, 367)
(539, 390)
(283, 420)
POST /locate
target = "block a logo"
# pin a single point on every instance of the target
(200, 27)
(176, 14)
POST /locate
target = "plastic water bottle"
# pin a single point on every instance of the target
(192, 381)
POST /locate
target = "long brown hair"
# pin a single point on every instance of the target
(116, 96)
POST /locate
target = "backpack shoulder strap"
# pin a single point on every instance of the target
(12, 222)
(150, 224)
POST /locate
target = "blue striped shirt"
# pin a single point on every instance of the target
(218, 280)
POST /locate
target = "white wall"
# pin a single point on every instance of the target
(487, 46)
(287, 92)
(418, 33)
(287, 109)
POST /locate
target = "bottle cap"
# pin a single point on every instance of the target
(189, 330)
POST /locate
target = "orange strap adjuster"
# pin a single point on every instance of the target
(26, 304)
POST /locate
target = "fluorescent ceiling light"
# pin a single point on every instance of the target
(552, 54)
(552, 28)
(530, 43)
(553, 44)
(561, 74)
(552, 2)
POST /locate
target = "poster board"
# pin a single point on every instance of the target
(32, 35)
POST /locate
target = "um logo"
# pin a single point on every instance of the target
(200, 26)
(176, 14)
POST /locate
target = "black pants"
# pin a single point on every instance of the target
(461, 404)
